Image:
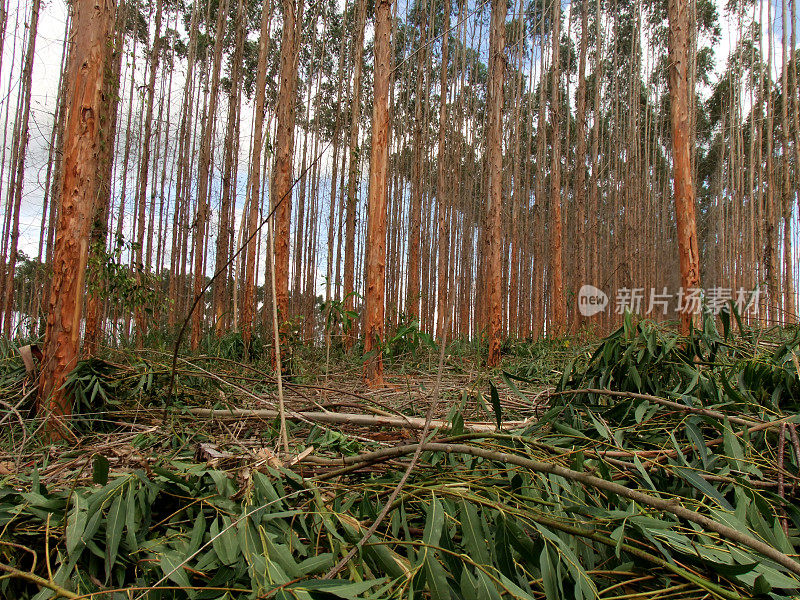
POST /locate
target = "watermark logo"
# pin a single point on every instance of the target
(591, 300)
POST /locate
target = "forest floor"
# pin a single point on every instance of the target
(641, 465)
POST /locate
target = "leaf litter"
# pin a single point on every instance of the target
(642, 465)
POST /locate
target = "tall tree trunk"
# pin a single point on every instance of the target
(108, 118)
(229, 175)
(556, 233)
(254, 185)
(580, 157)
(442, 154)
(679, 44)
(144, 165)
(771, 264)
(90, 37)
(284, 154)
(413, 286)
(378, 191)
(352, 173)
(204, 167)
(18, 167)
(786, 197)
(494, 123)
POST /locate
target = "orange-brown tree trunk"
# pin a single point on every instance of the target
(580, 158)
(414, 233)
(284, 143)
(497, 41)
(556, 227)
(679, 43)
(94, 305)
(254, 185)
(223, 251)
(378, 194)
(90, 37)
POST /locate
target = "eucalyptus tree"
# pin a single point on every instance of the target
(92, 30)
(494, 126)
(375, 287)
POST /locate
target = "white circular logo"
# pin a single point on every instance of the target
(591, 300)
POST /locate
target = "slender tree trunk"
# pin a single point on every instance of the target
(442, 155)
(204, 167)
(229, 175)
(413, 286)
(679, 45)
(144, 165)
(580, 157)
(556, 236)
(497, 42)
(771, 264)
(90, 38)
(284, 155)
(352, 175)
(254, 186)
(378, 191)
(18, 167)
(786, 197)
(108, 121)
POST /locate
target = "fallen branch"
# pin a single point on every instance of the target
(664, 402)
(672, 506)
(347, 419)
(40, 581)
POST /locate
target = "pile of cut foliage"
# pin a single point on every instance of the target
(662, 468)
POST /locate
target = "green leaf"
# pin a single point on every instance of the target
(733, 449)
(498, 410)
(436, 576)
(472, 532)
(172, 569)
(115, 522)
(76, 525)
(224, 541)
(702, 485)
(550, 580)
(434, 523)
(100, 469)
(486, 589)
(315, 564)
(338, 587)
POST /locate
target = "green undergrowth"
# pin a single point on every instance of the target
(681, 419)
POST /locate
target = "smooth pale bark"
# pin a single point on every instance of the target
(378, 194)
(284, 143)
(497, 42)
(91, 31)
(679, 44)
